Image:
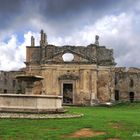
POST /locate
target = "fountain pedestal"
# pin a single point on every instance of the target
(29, 79)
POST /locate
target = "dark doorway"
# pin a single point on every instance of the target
(5, 91)
(117, 95)
(68, 93)
(131, 97)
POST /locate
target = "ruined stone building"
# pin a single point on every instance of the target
(82, 75)
(127, 84)
(9, 83)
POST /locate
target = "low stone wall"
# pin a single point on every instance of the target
(30, 103)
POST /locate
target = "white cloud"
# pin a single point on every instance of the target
(115, 31)
(13, 53)
(107, 27)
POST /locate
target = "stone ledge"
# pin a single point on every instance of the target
(31, 96)
(31, 110)
(38, 116)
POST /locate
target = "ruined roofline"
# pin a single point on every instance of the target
(9, 71)
(19, 70)
(45, 53)
(44, 42)
(72, 46)
(125, 69)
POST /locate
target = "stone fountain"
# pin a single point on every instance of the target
(30, 102)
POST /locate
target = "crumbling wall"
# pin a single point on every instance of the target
(32, 54)
(105, 86)
(126, 81)
(105, 56)
(9, 83)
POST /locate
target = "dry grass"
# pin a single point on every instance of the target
(85, 132)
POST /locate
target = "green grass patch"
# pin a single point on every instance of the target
(121, 121)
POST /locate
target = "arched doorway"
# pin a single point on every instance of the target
(131, 97)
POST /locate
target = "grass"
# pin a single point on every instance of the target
(125, 116)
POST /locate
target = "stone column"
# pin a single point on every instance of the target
(84, 80)
(55, 86)
(81, 80)
(93, 78)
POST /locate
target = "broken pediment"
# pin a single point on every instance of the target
(70, 57)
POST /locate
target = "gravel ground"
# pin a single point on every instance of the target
(38, 116)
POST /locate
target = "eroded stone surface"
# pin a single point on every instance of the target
(127, 83)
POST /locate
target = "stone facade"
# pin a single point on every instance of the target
(82, 75)
(127, 84)
(85, 80)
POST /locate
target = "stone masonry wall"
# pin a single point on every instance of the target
(83, 78)
(126, 81)
(105, 84)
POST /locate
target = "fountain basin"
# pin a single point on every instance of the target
(30, 103)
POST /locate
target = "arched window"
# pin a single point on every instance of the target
(131, 84)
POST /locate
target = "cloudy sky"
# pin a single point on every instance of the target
(74, 22)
